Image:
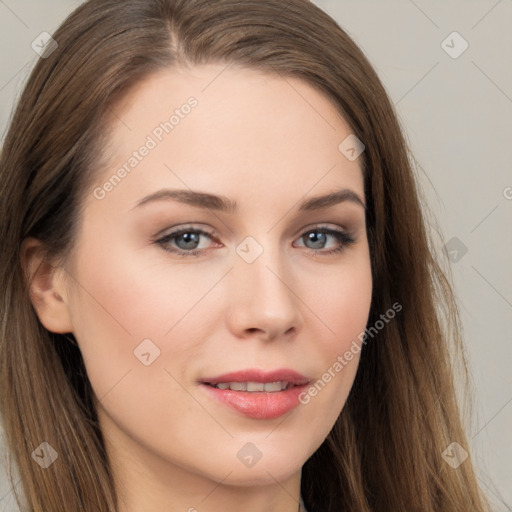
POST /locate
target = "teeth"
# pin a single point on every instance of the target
(257, 386)
(269, 387)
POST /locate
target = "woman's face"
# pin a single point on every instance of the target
(262, 286)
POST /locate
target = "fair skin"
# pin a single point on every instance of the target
(269, 144)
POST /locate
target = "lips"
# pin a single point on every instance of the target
(243, 391)
(254, 375)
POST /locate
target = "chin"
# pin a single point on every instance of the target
(264, 476)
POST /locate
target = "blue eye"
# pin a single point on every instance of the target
(344, 239)
(184, 242)
(187, 240)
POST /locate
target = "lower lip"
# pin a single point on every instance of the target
(258, 404)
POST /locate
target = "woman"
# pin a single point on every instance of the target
(219, 288)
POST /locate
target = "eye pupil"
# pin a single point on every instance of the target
(317, 238)
(190, 238)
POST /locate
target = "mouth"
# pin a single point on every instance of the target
(252, 379)
(257, 394)
(254, 387)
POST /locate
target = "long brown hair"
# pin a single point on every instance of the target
(384, 452)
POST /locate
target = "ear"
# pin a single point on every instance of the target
(46, 286)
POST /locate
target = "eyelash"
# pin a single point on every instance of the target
(345, 239)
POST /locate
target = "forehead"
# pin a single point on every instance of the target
(235, 131)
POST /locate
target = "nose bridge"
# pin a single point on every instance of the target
(263, 298)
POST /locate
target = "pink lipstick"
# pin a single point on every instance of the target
(256, 393)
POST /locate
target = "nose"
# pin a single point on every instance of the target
(262, 302)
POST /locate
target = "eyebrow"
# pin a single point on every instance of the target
(226, 205)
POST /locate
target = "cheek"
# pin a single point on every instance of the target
(341, 308)
(128, 306)
(340, 299)
(121, 316)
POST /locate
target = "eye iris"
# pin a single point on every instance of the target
(191, 240)
(317, 238)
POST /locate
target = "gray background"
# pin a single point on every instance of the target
(456, 113)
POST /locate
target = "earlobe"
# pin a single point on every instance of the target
(46, 287)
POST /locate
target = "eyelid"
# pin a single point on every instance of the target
(179, 228)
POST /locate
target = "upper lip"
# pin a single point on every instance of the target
(256, 375)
